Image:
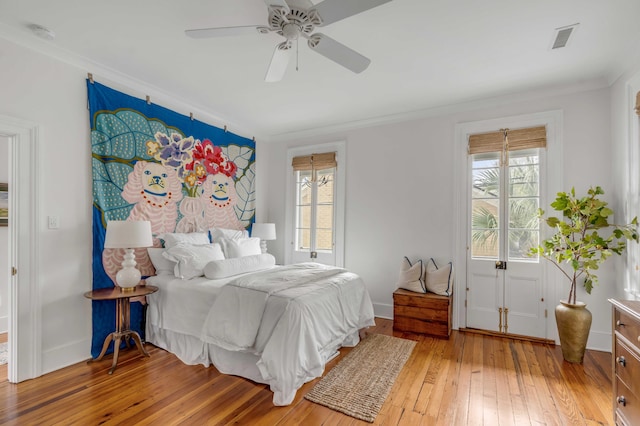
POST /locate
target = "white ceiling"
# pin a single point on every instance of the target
(425, 53)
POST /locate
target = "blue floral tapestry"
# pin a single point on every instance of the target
(151, 163)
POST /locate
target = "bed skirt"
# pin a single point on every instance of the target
(193, 351)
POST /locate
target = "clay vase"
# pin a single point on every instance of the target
(574, 323)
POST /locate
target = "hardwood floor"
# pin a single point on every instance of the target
(469, 379)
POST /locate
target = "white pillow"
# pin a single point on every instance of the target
(173, 239)
(241, 247)
(191, 259)
(439, 280)
(230, 234)
(411, 276)
(162, 265)
(230, 267)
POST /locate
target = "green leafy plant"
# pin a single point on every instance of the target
(577, 241)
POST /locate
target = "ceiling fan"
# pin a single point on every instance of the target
(293, 19)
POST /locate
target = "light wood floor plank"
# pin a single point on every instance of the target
(469, 379)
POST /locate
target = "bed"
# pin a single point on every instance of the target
(276, 325)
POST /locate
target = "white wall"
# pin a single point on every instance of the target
(400, 190)
(53, 95)
(4, 243)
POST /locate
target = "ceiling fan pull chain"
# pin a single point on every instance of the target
(297, 51)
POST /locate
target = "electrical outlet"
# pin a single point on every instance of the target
(53, 222)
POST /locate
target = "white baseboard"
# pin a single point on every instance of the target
(383, 310)
(63, 356)
(599, 341)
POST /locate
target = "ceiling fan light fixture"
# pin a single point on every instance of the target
(291, 31)
(293, 19)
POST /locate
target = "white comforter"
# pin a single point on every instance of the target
(289, 320)
(289, 316)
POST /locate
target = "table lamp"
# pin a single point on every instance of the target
(264, 231)
(128, 235)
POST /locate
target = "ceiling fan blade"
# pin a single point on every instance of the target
(222, 31)
(278, 3)
(331, 11)
(339, 53)
(279, 62)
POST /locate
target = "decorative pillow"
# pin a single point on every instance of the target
(162, 265)
(230, 267)
(241, 247)
(218, 234)
(411, 276)
(191, 259)
(173, 239)
(439, 280)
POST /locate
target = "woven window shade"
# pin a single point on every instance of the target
(532, 137)
(322, 161)
(638, 103)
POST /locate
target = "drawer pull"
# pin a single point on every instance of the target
(620, 360)
(622, 400)
(619, 323)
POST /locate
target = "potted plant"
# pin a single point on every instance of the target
(577, 248)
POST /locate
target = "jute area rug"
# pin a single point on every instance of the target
(362, 380)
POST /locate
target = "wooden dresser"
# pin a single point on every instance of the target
(425, 313)
(626, 362)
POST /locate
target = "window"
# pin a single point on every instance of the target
(505, 193)
(315, 210)
(315, 204)
(518, 210)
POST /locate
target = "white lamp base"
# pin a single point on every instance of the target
(263, 246)
(128, 277)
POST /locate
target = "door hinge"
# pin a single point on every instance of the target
(14, 271)
(465, 303)
(545, 313)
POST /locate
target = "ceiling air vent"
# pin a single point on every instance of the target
(562, 35)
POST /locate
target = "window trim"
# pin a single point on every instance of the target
(339, 148)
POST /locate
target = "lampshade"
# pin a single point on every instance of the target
(264, 231)
(128, 234)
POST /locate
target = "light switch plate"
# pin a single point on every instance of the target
(53, 222)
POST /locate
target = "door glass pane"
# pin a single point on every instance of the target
(523, 174)
(315, 211)
(304, 194)
(303, 239)
(304, 217)
(484, 228)
(485, 206)
(524, 201)
(324, 210)
(324, 240)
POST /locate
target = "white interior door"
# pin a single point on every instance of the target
(504, 287)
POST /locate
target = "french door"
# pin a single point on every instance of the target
(504, 288)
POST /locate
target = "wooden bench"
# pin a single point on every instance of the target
(425, 313)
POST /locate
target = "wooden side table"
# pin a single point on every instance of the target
(123, 310)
